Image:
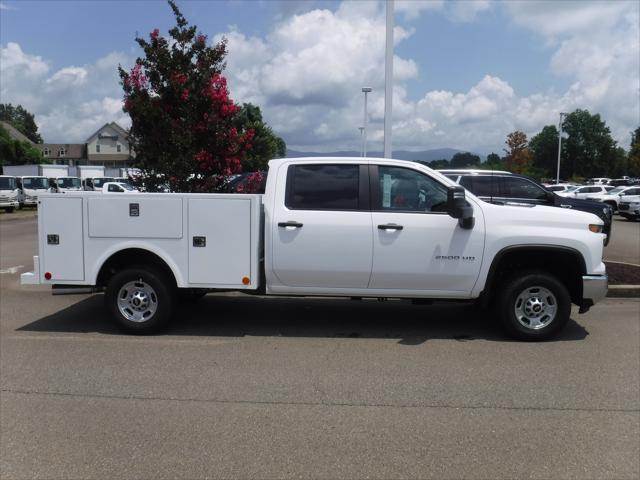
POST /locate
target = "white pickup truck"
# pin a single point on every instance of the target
(349, 227)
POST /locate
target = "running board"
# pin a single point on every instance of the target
(73, 289)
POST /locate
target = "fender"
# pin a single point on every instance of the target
(491, 275)
(93, 276)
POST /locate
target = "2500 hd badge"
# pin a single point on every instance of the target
(464, 258)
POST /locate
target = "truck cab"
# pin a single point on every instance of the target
(30, 189)
(67, 184)
(95, 184)
(9, 193)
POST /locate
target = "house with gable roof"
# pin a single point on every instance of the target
(109, 146)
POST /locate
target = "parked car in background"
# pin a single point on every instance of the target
(613, 197)
(118, 187)
(629, 207)
(508, 188)
(584, 191)
(621, 182)
(96, 183)
(558, 187)
(598, 181)
(9, 193)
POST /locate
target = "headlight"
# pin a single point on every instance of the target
(595, 228)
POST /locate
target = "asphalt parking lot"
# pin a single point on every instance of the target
(247, 387)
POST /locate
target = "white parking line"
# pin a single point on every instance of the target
(11, 270)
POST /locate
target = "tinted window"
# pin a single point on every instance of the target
(522, 188)
(555, 189)
(482, 186)
(405, 190)
(323, 187)
(632, 191)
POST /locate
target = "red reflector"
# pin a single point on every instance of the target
(47, 276)
(245, 280)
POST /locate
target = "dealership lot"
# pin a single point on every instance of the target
(273, 387)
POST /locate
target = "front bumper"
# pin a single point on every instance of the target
(594, 289)
(9, 203)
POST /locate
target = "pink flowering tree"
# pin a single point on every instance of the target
(184, 129)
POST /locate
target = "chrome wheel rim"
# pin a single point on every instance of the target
(536, 307)
(137, 301)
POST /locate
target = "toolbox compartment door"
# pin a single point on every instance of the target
(62, 239)
(219, 241)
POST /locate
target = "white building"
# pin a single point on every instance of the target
(109, 146)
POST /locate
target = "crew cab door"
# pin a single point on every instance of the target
(417, 246)
(321, 226)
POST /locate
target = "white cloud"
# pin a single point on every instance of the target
(70, 104)
(307, 73)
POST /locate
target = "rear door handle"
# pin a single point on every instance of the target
(390, 226)
(290, 224)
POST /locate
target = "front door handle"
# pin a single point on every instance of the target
(390, 226)
(290, 224)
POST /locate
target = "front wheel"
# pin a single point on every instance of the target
(140, 299)
(9, 209)
(534, 306)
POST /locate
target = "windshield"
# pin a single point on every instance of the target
(126, 186)
(555, 188)
(99, 182)
(68, 182)
(35, 183)
(571, 189)
(616, 190)
(7, 183)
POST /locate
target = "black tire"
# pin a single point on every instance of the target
(9, 209)
(155, 295)
(542, 290)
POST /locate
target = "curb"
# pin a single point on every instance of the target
(623, 291)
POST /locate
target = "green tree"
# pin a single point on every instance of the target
(493, 162)
(544, 150)
(266, 145)
(15, 152)
(589, 150)
(465, 160)
(21, 120)
(633, 160)
(183, 123)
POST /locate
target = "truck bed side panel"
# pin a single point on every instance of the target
(62, 239)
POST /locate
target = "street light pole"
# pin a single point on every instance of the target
(365, 90)
(559, 148)
(388, 79)
(361, 141)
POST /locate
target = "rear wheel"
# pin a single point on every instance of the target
(9, 209)
(534, 306)
(140, 299)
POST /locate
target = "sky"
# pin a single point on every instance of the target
(466, 73)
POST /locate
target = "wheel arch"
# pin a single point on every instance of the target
(115, 260)
(566, 263)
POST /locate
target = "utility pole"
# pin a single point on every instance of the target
(365, 90)
(559, 148)
(388, 81)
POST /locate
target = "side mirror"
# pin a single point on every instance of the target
(458, 207)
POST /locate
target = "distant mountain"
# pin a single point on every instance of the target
(425, 155)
